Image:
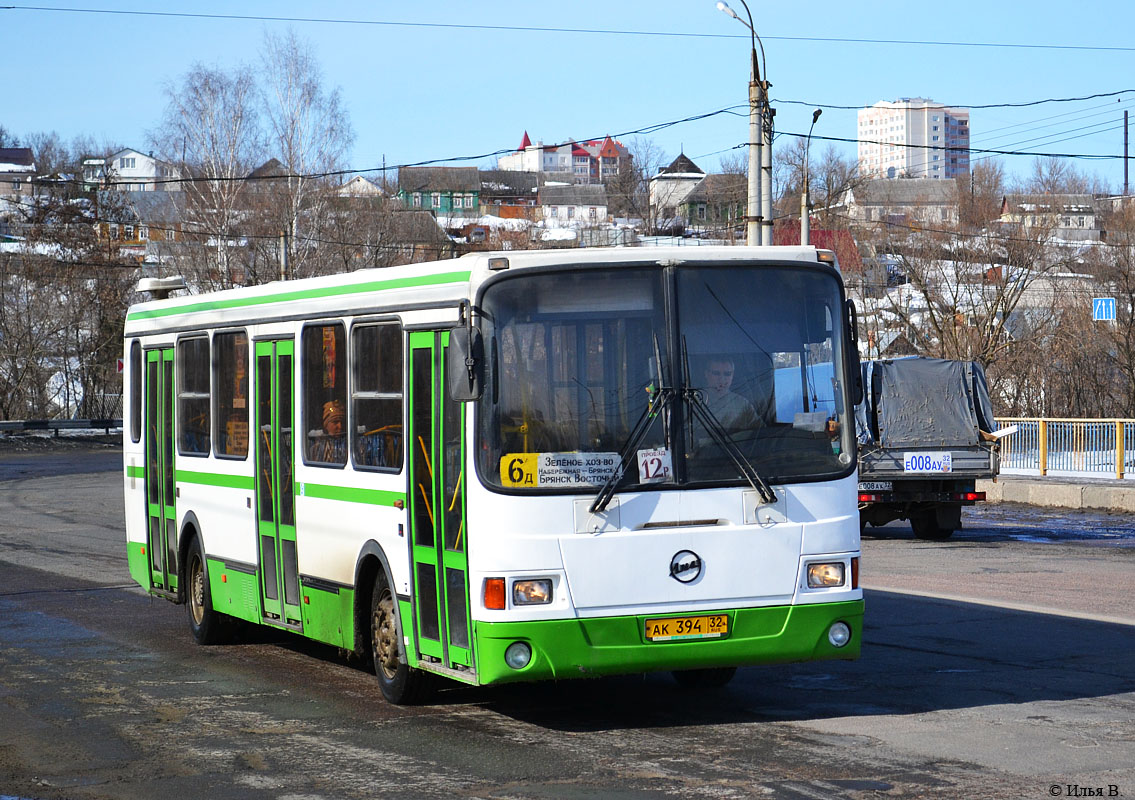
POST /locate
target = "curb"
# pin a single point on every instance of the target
(1058, 494)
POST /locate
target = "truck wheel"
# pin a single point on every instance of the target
(400, 683)
(925, 526)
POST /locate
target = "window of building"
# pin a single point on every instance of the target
(193, 396)
(143, 233)
(126, 163)
(128, 232)
(571, 212)
(231, 381)
(435, 200)
(593, 212)
(376, 396)
(170, 235)
(417, 200)
(554, 212)
(112, 231)
(325, 394)
(135, 391)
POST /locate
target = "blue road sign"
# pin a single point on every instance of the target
(1103, 309)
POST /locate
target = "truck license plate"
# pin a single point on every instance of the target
(670, 629)
(876, 486)
(927, 462)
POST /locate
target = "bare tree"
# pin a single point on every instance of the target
(211, 129)
(628, 194)
(309, 131)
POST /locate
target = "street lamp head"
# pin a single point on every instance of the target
(725, 7)
(816, 115)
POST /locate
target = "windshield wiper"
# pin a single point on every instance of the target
(728, 444)
(718, 433)
(659, 399)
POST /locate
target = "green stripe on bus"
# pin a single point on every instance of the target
(306, 294)
(215, 479)
(373, 497)
(135, 472)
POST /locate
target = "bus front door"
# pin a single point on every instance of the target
(437, 511)
(161, 537)
(275, 485)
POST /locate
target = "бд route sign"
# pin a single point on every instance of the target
(1103, 309)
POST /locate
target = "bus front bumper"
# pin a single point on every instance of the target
(590, 647)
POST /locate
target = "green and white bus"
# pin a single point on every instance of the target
(511, 466)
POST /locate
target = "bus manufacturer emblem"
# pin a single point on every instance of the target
(685, 566)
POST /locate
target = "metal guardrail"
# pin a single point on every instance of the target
(56, 425)
(1091, 448)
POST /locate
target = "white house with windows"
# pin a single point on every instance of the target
(130, 170)
(574, 205)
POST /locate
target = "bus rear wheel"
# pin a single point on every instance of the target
(709, 678)
(206, 625)
(400, 683)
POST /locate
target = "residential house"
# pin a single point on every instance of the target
(130, 170)
(444, 191)
(904, 202)
(359, 186)
(573, 206)
(716, 203)
(138, 223)
(669, 190)
(593, 161)
(17, 168)
(512, 194)
(1071, 217)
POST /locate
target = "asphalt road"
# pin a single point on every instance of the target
(1000, 664)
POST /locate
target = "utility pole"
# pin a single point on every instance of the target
(758, 209)
(283, 255)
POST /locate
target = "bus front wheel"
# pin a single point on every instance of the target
(400, 683)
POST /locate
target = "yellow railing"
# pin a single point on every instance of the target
(1091, 447)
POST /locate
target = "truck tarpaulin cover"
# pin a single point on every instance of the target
(923, 402)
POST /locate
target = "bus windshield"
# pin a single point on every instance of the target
(716, 363)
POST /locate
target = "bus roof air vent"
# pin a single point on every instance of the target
(160, 288)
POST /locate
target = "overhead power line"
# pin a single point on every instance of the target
(564, 30)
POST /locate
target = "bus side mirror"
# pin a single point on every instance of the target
(851, 346)
(465, 364)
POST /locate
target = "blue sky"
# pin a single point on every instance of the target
(417, 92)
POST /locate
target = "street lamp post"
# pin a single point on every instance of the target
(805, 200)
(760, 141)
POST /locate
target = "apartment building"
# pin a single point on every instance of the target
(913, 138)
(593, 161)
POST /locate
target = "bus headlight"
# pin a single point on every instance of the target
(535, 592)
(517, 655)
(825, 576)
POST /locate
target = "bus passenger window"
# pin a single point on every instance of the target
(193, 396)
(135, 391)
(231, 380)
(325, 394)
(376, 396)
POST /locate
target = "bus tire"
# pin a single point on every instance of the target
(206, 625)
(708, 678)
(400, 683)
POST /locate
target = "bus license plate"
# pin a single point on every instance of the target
(671, 629)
